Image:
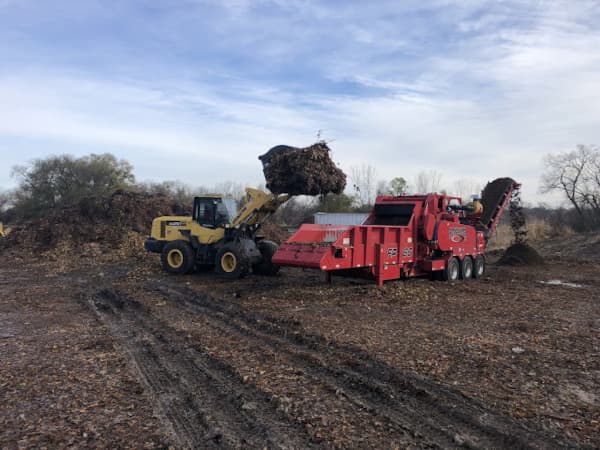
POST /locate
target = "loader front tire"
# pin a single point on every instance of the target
(266, 267)
(452, 270)
(230, 263)
(177, 257)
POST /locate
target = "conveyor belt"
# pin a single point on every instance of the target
(495, 197)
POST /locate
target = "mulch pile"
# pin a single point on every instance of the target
(304, 171)
(105, 221)
(521, 254)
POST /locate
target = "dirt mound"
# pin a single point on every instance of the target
(107, 221)
(521, 254)
(302, 171)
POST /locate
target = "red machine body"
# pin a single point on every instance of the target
(403, 236)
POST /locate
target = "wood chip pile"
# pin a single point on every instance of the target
(107, 221)
(521, 254)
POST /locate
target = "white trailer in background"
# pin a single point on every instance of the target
(322, 218)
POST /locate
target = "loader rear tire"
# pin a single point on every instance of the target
(178, 257)
(479, 266)
(466, 268)
(266, 267)
(230, 263)
(452, 270)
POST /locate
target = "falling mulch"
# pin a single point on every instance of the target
(521, 254)
(518, 223)
(106, 221)
(302, 171)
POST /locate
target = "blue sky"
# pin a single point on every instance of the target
(195, 90)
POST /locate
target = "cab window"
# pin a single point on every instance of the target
(221, 215)
(204, 212)
(213, 212)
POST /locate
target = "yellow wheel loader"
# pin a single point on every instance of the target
(217, 236)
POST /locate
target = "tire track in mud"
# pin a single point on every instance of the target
(432, 414)
(201, 398)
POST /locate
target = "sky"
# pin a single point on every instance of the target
(195, 90)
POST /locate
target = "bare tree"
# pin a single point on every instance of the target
(230, 189)
(296, 211)
(577, 175)
(465, 187)
(364, 182)
(428, 181)
(383, 188)
(4, 200)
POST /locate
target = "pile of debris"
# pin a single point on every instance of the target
(302, 171)
(107, 222)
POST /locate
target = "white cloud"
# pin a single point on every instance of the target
(521, 79)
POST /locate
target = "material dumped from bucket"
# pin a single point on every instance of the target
(518, 224)
(521, 254)
(302, 171)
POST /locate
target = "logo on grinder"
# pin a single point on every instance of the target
(458, 234)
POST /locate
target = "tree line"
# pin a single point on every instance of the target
(576, 175)
(57, 181)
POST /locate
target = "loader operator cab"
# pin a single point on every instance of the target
(214, 212)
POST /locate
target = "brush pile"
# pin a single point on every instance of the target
(104, 221)
(302, 171)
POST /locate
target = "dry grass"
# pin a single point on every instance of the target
(537, 230)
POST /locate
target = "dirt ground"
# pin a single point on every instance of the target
(121, 355)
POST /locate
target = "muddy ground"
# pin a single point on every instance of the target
(120, 355)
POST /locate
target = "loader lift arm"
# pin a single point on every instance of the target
(258, 206)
